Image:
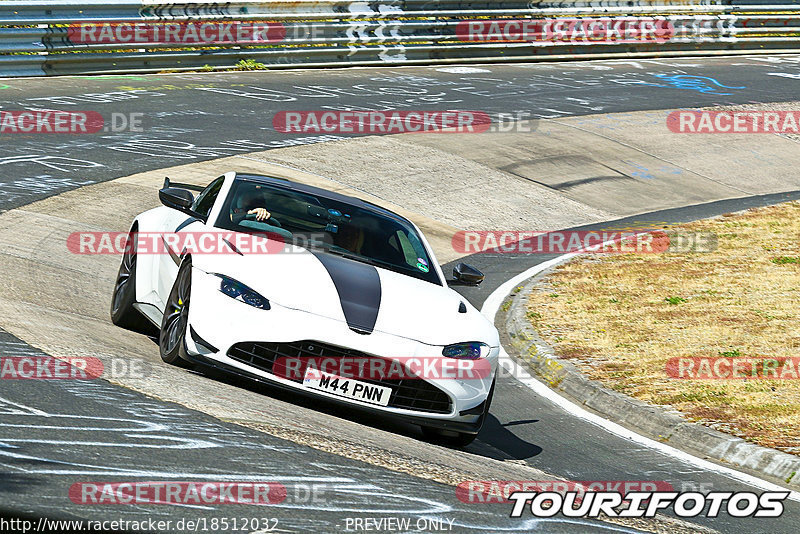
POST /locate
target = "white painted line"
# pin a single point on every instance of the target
(489, 310)
(462, 70)
(21, 409)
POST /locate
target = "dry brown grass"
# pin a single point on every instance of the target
(609, 315)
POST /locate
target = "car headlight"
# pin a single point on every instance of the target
(466, 351)
(238, 291)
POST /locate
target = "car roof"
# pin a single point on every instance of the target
(320, 192)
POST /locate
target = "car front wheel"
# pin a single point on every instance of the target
(176, 317)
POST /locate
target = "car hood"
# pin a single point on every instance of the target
(364, 298)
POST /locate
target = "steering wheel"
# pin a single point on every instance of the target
(272, 221)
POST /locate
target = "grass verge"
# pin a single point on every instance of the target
(621, 317)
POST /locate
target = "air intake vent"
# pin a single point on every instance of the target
(408, 393)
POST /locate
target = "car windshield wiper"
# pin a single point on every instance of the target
(363, 259)
(347, 254)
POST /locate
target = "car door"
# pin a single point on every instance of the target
(181, 223)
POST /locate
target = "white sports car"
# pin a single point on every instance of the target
(343, 300)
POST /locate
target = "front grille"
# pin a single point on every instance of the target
(407, 393)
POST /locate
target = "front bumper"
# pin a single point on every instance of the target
(222, 322)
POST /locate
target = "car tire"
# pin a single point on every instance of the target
(123, 314)
(176, 317)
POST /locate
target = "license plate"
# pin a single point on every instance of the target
(347, 387)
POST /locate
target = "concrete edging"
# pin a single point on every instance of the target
(523, 343)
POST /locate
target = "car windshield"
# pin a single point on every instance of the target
(328, 226)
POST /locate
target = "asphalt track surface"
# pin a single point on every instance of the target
(44, 443)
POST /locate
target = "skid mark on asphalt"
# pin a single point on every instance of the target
(57, 433)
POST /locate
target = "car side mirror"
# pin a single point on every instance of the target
(464, 274)
(177, 199)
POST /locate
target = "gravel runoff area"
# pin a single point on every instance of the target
(672, 329)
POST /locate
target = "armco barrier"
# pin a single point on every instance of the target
(64, 37)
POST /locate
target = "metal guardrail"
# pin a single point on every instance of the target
(92, 36)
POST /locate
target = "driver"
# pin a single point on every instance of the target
(250, 202)
(349, 237)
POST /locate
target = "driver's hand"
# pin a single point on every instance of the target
(260, 213)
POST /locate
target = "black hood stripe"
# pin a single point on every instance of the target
(359, 288)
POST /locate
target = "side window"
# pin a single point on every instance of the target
(205, 200)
